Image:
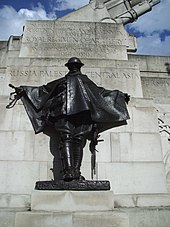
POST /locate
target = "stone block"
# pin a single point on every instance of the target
(71, 201)
(8, 201)
(134, 177)
(145, 200)
(16, 145)
(150, 63)
(155, 87)
(14, 119)
(43, 219)
(144, 119)
(126, 80)
(81, 39)
(18, 177)
(5, 116)
(2, 79)
(64, 219)
(41, 148)
(136, 147)
(115, 219)
(7, 218)
(158, 217)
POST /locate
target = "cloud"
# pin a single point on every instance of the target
(156, 20)
(152, 45)
(151, 27)
(69, 4)
(11, 21)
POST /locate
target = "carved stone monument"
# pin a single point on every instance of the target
(134, 157)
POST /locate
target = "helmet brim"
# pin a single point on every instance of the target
(77, 63)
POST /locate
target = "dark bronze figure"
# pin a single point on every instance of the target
(71, 110)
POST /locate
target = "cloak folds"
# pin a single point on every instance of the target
(71, 95)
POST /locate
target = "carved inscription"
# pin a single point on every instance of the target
(35, 75)
(65, 39)
(38, 74)
(156, 87)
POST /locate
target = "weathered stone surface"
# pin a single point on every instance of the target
(7, 218)
(67, 39)
(135, 147)
(18, 177)
(154, 87)
(70, 201)
(51, 219)
(115, 219)
(132, 177)
(44, 219)
(147, 200)
(159, 217)
(14, 201)
(154, 64)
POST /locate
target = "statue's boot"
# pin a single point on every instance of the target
(68, 161)
(78, 155)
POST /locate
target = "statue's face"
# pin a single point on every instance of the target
(74, 67)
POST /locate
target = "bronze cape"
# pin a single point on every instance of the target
(70, 95)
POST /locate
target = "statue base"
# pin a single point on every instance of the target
(84, 185)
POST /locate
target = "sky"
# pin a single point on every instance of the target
(152, 29)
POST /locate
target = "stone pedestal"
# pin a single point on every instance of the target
(71, 201)
(72, 209)
(85, 219)
(75, 209)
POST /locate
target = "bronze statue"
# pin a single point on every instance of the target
(71, 110)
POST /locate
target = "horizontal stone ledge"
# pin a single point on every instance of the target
(139, 200)
(70, 201)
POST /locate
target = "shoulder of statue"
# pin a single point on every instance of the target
(55, 83)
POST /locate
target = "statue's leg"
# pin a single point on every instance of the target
(67, 157)
(78, 156)
(55, 151)
(79, 141)
(64, 129)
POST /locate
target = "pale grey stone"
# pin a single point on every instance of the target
(151, 63)
(18, 177)
(134, 177)
(154, 87)
(107, 219)
(149, 217)
(43, 219)
(70, 201)
(49, 219)
(7, 218)
(66, 39)
(41, 148)
(16, 145)
(133, 147)
(146, 200)
(14, 201)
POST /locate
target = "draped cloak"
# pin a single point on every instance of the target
(71, 95)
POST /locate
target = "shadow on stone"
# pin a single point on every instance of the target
(168, 67)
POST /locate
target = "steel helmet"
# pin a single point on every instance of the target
(74, 60)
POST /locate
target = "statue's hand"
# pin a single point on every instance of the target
(14, 96)
(18, 91)
(127, 98)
